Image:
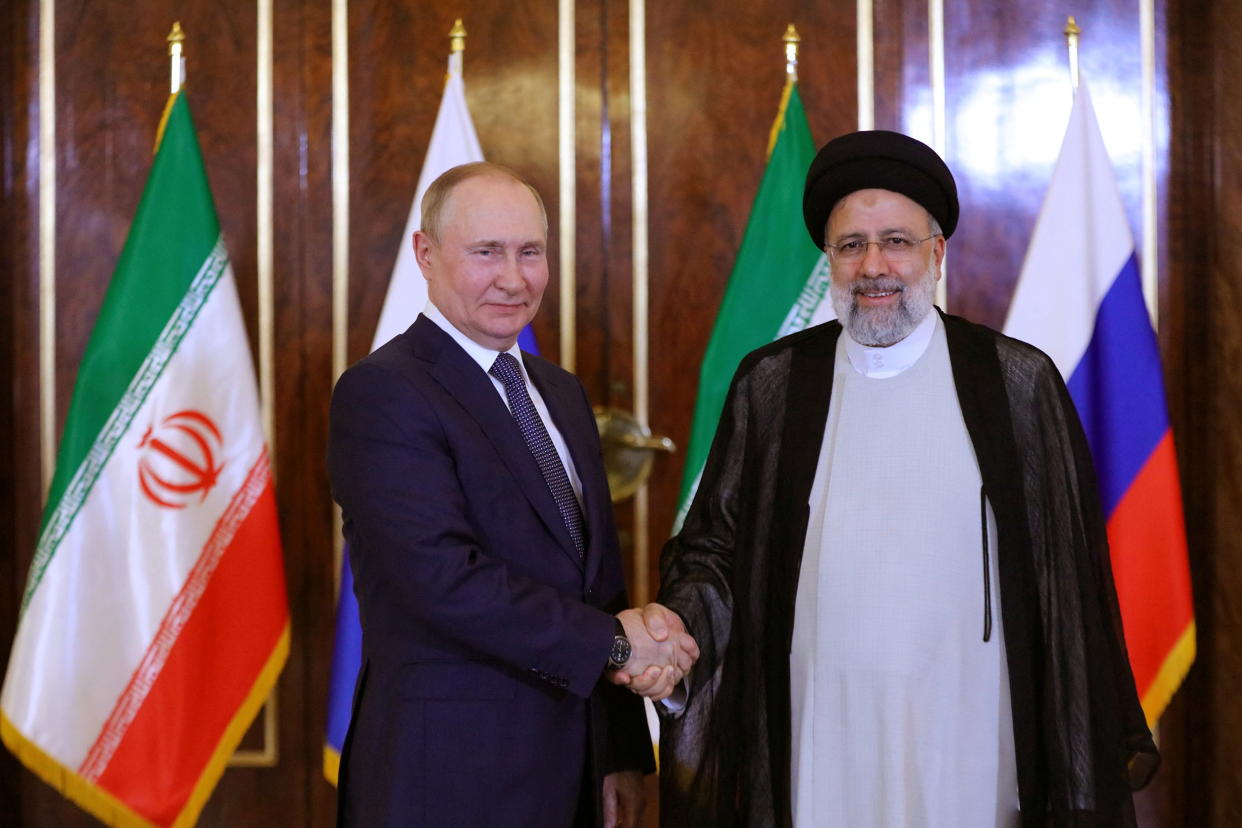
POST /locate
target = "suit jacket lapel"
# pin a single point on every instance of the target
(464, 381)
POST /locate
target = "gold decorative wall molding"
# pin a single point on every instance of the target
(269, 755)
(641, 260)
(47, 239)
(567, 137)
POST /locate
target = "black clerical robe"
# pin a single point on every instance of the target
(1081, 740)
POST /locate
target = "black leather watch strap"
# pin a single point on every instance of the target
(621, 648)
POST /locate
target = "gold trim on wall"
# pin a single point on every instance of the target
(939, 142)
(340, 231)
(865, 49)
(47, 240)
(340, 187)
(568, 182)
(269, 755)
(1150, 261)
(265, 231)
(641, 258)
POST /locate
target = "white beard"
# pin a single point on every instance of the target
(881, 327)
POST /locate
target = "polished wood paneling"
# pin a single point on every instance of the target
(19, 389)
(1199, 784)
(602, 202)
(19, 271)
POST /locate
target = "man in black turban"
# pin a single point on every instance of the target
(895, 564)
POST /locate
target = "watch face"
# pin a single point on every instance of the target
(620, 651)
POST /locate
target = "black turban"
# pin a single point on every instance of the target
(878, 159)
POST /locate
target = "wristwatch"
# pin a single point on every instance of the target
(621, 648)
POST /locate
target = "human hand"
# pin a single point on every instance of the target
(665, 625)
(662, 652)
(624, 798)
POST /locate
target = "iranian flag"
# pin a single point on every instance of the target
(154, 623)
(779, 282)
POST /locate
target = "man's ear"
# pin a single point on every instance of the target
(422, 249)
(938, 248)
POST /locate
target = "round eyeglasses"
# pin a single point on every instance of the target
(895, 248)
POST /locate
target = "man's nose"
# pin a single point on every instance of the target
(874, 262)
(510, 276)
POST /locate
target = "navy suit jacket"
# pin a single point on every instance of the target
(481, 699)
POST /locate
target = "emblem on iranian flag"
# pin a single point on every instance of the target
(178, 464)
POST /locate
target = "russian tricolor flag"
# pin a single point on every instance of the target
(1080, 299)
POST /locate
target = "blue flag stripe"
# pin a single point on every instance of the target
(346, 659)
(1118, 388)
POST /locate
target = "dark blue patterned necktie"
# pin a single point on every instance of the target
(537, 440)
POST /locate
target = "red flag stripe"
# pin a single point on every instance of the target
(212, 668)
(1153, 583)
(175, 619)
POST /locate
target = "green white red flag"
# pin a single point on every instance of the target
(155, 622)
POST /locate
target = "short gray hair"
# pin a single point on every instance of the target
(437, 195)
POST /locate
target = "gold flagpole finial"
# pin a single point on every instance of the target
(1071, 41)
(457, 37)
(791, 40)
(176, 39)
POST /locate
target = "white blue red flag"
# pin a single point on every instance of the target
(1080, 299)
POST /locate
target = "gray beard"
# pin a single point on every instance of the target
(881, 327)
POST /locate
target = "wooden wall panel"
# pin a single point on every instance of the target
(1199, 783)
(19, 400)
(602, 202)
(303, 384)
(1222, 442)
(19, 393)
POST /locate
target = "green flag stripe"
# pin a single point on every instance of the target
(776, 273)
(799, 315)
(808, 300)
(173, 232)
(61, 517)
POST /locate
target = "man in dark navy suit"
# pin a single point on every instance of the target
(485, 554)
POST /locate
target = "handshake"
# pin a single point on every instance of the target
(661, 651)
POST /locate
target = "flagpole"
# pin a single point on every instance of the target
(791, 40)
(176, 38)
(1071, 33)
(457, 37)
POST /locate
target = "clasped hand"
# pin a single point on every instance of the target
(662, 652)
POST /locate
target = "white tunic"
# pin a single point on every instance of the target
(901, 712)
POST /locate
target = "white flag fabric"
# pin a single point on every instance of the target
(453, 142)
